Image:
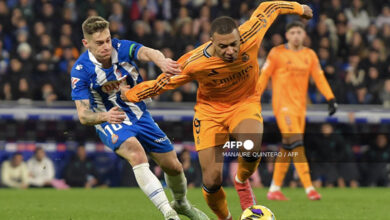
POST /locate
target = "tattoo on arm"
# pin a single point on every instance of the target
(86, 115)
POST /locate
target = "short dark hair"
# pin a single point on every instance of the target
(295, 24)
(223, 25)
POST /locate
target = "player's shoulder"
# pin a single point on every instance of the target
(194, 58)
(125, 48)
(277, 49)
(309, 51)
(280, 47)
(82, 66)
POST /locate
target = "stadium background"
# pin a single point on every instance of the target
(40, 40)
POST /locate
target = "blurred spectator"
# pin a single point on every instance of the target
(48, 93)
(378, 157)
(160, 37)
(177, 96)
(357, 16)
(191, 169)
(24, 94)
(6, 93)
(385, 94)
(384, 17)
(333, 9)
(372, 33)
(41, 169)
(141, 32)
(14, 172)
(189, 92)
(24, 54)
(324, 155)
(4, 59)
(80, 172)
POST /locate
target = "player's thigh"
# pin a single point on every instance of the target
(168, 162)
(152, 138)
(211, 162)
(290, 127)
(132, 150)
(208, 133)
(247, 124)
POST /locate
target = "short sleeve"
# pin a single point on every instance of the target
(79, 83)
(127, 49)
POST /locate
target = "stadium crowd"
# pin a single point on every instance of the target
(40, 40)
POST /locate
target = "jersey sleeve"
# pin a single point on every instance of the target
(164, 82)
(79, 83)
(127, 49)
(319, 78)
(266, 72)
(254, 29)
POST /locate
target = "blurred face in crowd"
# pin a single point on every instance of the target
(40, 154)
(327, 129)
(99, 44)
(295, 36)
(17, 160)
(381, 141)
(81, 153)
(227, 46)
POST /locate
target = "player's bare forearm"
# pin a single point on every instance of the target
(167, 65)
(87, 116)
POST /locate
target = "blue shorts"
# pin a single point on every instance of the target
(147, 132)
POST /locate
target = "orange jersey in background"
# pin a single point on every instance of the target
(221, 84)
(289, 71)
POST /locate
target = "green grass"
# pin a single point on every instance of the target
(131, 203)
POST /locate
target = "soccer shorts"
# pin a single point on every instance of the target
(290, 124)
(213, 129)
(147, 132)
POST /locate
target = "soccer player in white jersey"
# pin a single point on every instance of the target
(127, 128)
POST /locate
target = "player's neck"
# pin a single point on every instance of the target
(106, 63)
(294, 47)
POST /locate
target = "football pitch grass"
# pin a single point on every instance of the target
(131, 203)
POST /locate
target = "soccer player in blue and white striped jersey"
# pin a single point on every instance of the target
(127, 128)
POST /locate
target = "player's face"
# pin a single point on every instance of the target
(99, 44)
(295, 36)
(227, 46)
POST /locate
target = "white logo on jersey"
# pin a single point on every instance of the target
(113, 86)
(74, 80)
(119, 44)
(79, 67)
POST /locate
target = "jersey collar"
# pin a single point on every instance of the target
(114, 58)
(205, 51)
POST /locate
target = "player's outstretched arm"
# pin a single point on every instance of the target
(88, 117)
(152, 88)
(167, 65)
(271, 9)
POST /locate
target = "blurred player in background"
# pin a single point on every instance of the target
(289, 66)
(227, 71)
(125, 127)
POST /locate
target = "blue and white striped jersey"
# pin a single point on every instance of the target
(101, 86)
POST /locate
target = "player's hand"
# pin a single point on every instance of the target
(115, 116)
(124, 89)
(170, 66)
(307, 12)
(332, 106)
